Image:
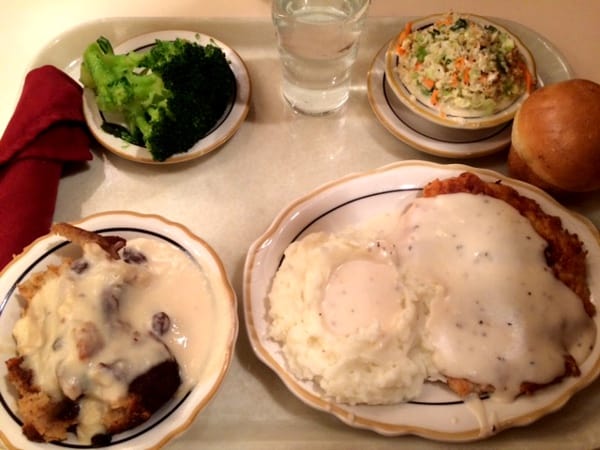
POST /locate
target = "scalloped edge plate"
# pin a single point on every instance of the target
(179, 413)
(437, 414)
(551, 67)
(221, 133)
(465, 119)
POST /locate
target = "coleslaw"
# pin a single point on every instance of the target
(461, 66)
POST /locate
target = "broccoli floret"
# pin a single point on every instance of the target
(170, 96)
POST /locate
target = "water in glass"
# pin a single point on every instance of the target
(318, 43)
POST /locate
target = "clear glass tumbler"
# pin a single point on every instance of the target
(318, 43)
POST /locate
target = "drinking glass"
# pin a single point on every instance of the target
(317, 43)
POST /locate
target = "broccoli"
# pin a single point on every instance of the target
(169, 97)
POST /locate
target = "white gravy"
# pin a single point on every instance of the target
(90, 333)
(504, 318)
(360, 292)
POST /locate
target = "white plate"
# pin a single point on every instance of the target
(225, 129)
(179, 413)
(437, 413)
(551, 68)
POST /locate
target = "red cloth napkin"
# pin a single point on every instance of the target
(46, 131)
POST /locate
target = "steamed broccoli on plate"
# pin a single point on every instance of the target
(169, 97)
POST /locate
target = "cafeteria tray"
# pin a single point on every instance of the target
(231, 195)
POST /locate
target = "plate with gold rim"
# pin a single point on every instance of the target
(551, 68)
(437, 413)
(222, 131)
(174, 417)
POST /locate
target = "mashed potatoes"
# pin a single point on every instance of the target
(342, 311)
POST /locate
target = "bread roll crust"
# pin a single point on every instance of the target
(556, 137)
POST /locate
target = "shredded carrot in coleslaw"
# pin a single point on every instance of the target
(474, 67)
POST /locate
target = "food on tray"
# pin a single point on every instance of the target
(168, 97)
(462, 65)
(99, 346)
(348, 318)
(484, 336)
(493, 299)
(556, 138)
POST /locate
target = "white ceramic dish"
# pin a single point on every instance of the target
(551, 68)
(437, 414)
(221, 133)
(395, 117)
(179, 413)
(430, 117)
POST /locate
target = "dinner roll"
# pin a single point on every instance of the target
(556, 138)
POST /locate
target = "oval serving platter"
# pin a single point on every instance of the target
(225, 128)
(437, 413)
(178, 414)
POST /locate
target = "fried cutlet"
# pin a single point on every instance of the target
(564, 254)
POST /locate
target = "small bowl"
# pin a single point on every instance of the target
(178, 414)
(451, 125)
